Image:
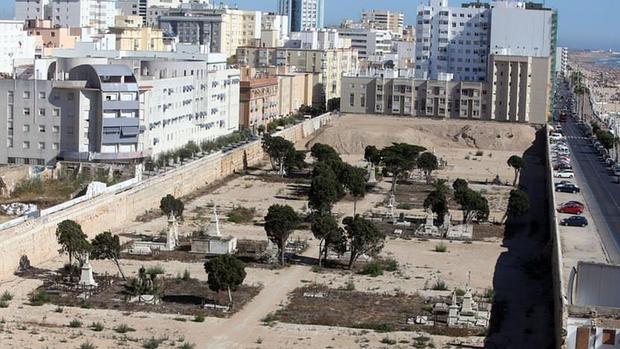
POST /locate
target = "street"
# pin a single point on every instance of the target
(599, 187)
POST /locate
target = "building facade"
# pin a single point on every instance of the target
(16, 46)
(258, 101)
(132, 35)
(368, 42)
(394, 22)
(303, 14)
(98, 14)
(48, 37)
(32, 9)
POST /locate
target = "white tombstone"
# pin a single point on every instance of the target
(392, 205)
(214, 227)
(429, 218)
(172, 235)
(453, 311)
(372, 178)
(468, 303)
(86, 278)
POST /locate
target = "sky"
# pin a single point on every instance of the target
(583, 24)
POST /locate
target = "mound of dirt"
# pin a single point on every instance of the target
(350, 134)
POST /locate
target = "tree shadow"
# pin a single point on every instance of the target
(522, 314)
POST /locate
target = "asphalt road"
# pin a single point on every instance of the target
(599, 187)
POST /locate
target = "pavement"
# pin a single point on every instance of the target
(599, 189)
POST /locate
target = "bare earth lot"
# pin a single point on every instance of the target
(25, 326)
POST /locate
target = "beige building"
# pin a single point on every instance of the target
(520, 88)
(330, 65)
(517, 91)
(132, 35)
(48, 37)
(258, 100)
(295, 90)
(384, 20)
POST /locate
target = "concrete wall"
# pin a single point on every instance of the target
(36, 238)
(559, 290)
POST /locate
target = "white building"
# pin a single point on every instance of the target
(518, 31)
(274, 29)
(452, 40)
(385, 20)
(16, 47)
(561, 61)
(368, 42)
(98, 14)
(323, 39)
(303, 15)
(31, 9)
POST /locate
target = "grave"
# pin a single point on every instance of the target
(210, 241)
(147, 247)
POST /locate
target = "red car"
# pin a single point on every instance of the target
(571, 208)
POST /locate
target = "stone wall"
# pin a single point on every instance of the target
(36, 238)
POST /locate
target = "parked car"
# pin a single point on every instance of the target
(564, 174)
(562, 182)
(575, 221)
(573, 202)
(571, 209)
(616, 170)
(567, 188)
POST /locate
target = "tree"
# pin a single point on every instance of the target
(354, 181)
(324, 152)
(295, 160)
(516, 162)
(398, 159)
(325, 189)
(333, 104)
(437, 201)
(170, 205)
(606, 138)
(107, 246)
(518, 204)
(225, 273)
(372, 155)
(326, 230)
(364, 237)
(472, 201)
(459, 184)
(72, 240)
(278, 148)
(279, 224)
(261, 129)
(428, 163)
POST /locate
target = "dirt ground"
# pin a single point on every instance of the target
(420, 266)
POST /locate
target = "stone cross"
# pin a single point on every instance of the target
(372, 179)
(214, 226)
(86, 278)
(172, 235)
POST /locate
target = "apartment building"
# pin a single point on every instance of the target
(48, 37)
(317, 40)
(330, 65)
(452, 40)
(221, 29)
(32, 9)
(16, 47)
(258, 100)
(274, 29)
(369, 43)
(98, 14)
(561, 61)
(303, 14)
(394, 22)
(294, 90)
(132, 35)
(141, 7)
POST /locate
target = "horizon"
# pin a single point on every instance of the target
(572, 19)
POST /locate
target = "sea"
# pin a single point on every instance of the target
(612, 61)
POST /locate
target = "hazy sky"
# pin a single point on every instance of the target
(583, 24)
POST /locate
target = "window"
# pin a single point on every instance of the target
(26, 111)
(609, 337)
(55, 112)
(26, 145)
(42, 95)
(41, 111)
(352, 99)
(41, 145)
(56, 129)
(10, 97)
(55, 146)
(26, 128)
(41, 128)
(70, 96)
(26, 95)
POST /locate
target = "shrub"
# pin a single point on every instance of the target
(349, 285)
(4, 304)
(186, 345)
(186, 275)
(269, 318)
(479, 153)
(388, 341)
(152, 343)
(123, 328)
(404, 206)
(390, 264)
(59, 310)
(241, 214)
(383, 327)
(460, 292)
(156, 270)
(489, 293)
(200, 317)
(39, 298)
(96, 326)
(428, 308)
(87, 345)
(441, 247)
(75, 323)
(6, 296)
(440, 285)
(373, 269)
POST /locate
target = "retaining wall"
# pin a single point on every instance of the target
(120, 204)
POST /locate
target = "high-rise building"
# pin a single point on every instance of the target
(385, 20)
(32, 9)
(368, 42)
(98, 14)
(15, 45)
(452, 40)
(303, 14)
